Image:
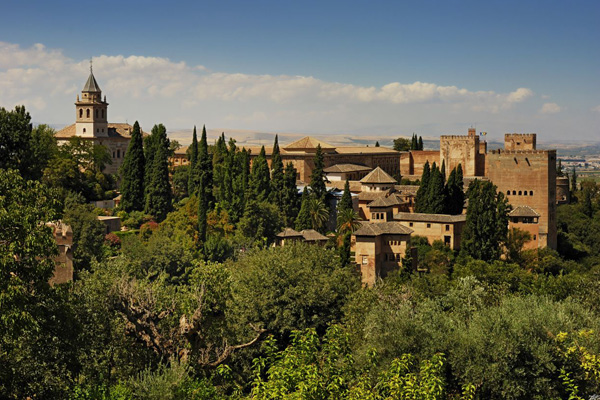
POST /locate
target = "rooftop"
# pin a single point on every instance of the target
(378, 176)
(524, 211)
(91, 85)
(386, 201)
(342, 168)
(382, 228)
(421, 217)
(115, 130)
(310, 235)
(289, 233)
(306, 143)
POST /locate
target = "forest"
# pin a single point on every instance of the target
(192, 301)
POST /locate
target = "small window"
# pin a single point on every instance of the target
(80, 113)
(520, 193)
(410, 224)
(365, 260)
(87, 113)
(514, 192)
(525, 193)
(83, 130)
(397, 257)
(534, 237)
(429, 225)
(531, 192)
(96, 113)
(447, 228)
(118, 153)
(102, 113)
(508, 192)
(113, 154)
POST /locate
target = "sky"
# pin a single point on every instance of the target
(364, 68)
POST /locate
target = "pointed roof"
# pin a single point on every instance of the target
(310, 235)
(91, 85)
(289, 233)
(307, 143)
(378, 176)
(382, 228)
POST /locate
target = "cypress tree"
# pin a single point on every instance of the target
(317, 176)
(158, 200)
(260, 177)
(132, 172)
(346, 200)
(218, 162)
(420, 145)
(193, 154)
(344, 250)
(413, 142)
(202, 213)
(377, 143)
(559, 169)
(459, 194)
(421, 201)
(289, 196)
(205, 169)
(277, 179)
(586, 204)
(573, 181)
(443, 170)
(303, 220)
(436, 195)
(149, 153)
(486, 228)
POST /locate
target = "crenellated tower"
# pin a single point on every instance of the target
(91, 120)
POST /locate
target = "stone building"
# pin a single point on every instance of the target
(289, 235)
(527, 176)
(447, 228)
(91, 123)
(526, 219)
(63, 235)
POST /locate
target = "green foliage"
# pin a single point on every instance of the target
(346, 200)
(293, 287)
(88, 234)
(422, 198)
(289, 198)
(436, 193)
(402, 144)
(180, 176)
(303, 220)
(219, 155)
(217, 249)
(277, 176)
(132, 173)
(317, 176)
(260, 223)
(260, 179)
(193, 176)
(318, 212)
(486, 228)
(158, 195)
(454, 189)
(515, 242)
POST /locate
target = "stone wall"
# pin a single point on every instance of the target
(528, 178)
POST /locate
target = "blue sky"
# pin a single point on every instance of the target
(238, 64)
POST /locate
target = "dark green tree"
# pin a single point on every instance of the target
(260, 181)
(15, 139)
(586, 202)
(260, 223)
(240, 183)
(377, 143)
(303, 220)
(344, 250)
(421, 200)
(132, 173)
(277, 178)
(219, 157)
(205, 170)
(43, 149)
(414, 145)
(202, 213)
(158, 198)
(454, 189)
(559, 168)
(289, 199)
(402, 144)
(443, 170)
(193, 157)
(150, 148)
(346, 200)
(420, 144)
(88, 234)
(486, 228)
(573, 181)
(317, 176)
(436, 193)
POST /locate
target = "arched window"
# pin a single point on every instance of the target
(531, 192)
(525, 193)
(96, 113)
(83, 130)
(118, 153)
(520, 193)
(81, 113)
(102, 113)
(508, 192)
(514, 192)
(87, 113)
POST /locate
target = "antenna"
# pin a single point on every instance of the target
(91, 67)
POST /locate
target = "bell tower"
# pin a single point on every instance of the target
(91, 110)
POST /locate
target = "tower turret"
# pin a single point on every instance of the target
(91, 118)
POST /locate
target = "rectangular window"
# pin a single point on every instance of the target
(410, 224)
(447, 228)
(365, 260)
(534, 237)
(429, 225)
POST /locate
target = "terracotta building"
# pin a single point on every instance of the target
(91, 123)
(526, 219)
(63, 235)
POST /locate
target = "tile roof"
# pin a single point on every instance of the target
(370, 196)
(524, 211)
(307, 142)
(387, 201)
(115, 130)
(355, 186)
(421, 217)
(407, 189)
(378, 176)
(310, 235)
(91, 85)
(288, 233)
(382, 228)
(346, 168)
(365, 150)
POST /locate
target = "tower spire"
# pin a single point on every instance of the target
(91, 67)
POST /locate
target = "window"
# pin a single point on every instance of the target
(525, 193)
(365, 260)
(447, 228)
(429, 225)
(410, 224)
(87, 113)
(102, 113)
(118, 153)
(534, 237)
(514, 192)
(113, 154)
(397, 257)
(83, 130)
(531, 192)
(81, 113)
(520, 193)
(96, 113)
(508, 192)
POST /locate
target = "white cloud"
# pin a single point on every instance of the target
(156, 89)
(596, 109)
(550, 108)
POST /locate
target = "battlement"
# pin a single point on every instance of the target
(457, 137)
(525, 151)
(520, 141)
